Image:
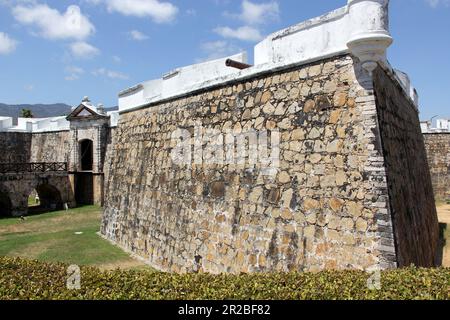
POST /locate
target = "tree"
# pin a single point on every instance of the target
(26, 113)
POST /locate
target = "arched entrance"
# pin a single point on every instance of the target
(86, 155)
(33, 199)
(5, 205)
(49, 198)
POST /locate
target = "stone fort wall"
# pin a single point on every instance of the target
(329, 204)
(410, 193)
(438, 151)
(51, 146)
(19, 147)
(15, 147)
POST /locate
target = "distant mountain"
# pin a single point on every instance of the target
(38, 110)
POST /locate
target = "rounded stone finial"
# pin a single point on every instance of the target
(370, 37)
(86, 99)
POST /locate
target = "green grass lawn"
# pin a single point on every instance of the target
(63, 236)
(32, 202)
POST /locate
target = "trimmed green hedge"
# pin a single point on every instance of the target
(24, 279)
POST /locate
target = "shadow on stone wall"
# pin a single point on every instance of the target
(15, 147)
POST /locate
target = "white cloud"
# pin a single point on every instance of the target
(7, 44)
(29, 87)
(245, 33)
(437, 3)
(159, 11)
(117, 59)
(71, 77)
(252, 14)
(110, 74)
(257, 13)
(218, 49)
(83, 50)
(137, 35)
(52, 24)
(73, 72)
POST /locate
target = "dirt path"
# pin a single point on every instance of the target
(444, 213)
(444, 218)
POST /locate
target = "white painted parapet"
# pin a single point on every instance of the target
(361, 28)
(5, 123)
(186, 78)
(34, 125)
(405, 81)
(324, 36)
(53, 124)
(442, 126)
(114, 117)
(140, 94)
(25, 124)
(177, 81)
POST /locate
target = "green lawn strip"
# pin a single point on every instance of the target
(50, 222)
(37, 229)
(51, 237)
(46, 216)
(32, 202)
(64, 246)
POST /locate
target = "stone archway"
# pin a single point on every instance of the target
(49, 196)
(5, 204)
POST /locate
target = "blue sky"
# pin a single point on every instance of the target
(44, 59)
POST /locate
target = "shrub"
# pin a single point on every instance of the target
(24, 279)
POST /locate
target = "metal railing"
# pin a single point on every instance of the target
(33, 167)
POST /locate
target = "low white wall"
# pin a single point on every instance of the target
(443, 124)
(5, 123)
(405, 81)
(114, 118)
(39, 125)
(180, 80)
(35, 124)
(314, 38)
(25, 124)
(188, 77)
